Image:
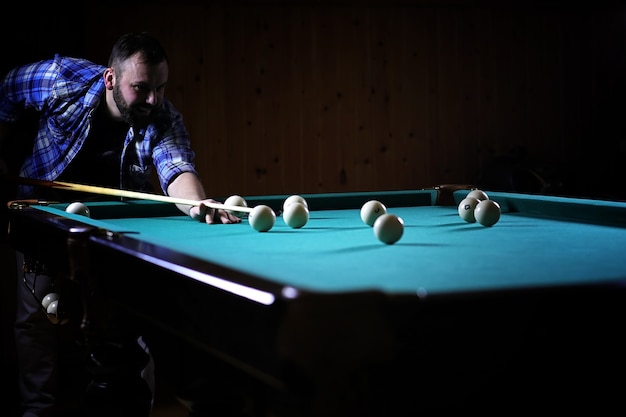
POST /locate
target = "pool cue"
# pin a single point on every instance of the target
(94, 189)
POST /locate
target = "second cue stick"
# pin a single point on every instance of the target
(94, 189)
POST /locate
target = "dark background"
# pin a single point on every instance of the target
(286, 97)
(332, 96)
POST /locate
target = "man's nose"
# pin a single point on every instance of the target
(151, 97)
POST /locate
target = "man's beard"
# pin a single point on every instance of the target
(127, 112)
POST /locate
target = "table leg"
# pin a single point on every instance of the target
(116, 359)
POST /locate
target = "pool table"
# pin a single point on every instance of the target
(326, 320)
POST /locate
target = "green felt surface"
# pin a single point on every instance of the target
(439, 252)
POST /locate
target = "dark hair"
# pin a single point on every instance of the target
(131, 43)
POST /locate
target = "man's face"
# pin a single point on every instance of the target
(139, 90)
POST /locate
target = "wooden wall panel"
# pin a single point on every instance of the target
(290, 97)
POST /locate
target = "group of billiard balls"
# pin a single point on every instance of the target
(262, 218)
(477, 207)
(388, 227)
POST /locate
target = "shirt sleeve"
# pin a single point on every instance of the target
(49, 85)
(172, 153)
(26, 87)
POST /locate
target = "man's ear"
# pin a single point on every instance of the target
(109, 78)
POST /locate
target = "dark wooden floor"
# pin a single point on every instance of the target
(169, 410)
(166, 404)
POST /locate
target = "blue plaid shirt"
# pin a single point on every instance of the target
(66, 92)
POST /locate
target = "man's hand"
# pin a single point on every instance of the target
(210, 215)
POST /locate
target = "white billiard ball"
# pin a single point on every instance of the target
(262, 218)
(388, 228)
(296, 215)
(466, 209)
(479, 194)
(53, 312)
(295, 199)
(49, 298)
(238, 201)
(487, 212)
(371, 210)
(53, 307)
(78, 208)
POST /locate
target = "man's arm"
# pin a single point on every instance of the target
(187, 185)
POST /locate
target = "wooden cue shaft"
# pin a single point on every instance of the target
(94, 189)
